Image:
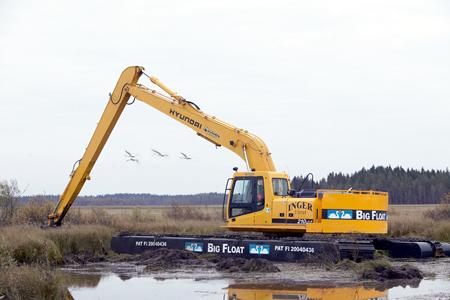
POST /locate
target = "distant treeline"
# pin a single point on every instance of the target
(139, 199)
(405, 186)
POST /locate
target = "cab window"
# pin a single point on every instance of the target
(247, 196)
(242, 191)
(259, 192)
(280, 186)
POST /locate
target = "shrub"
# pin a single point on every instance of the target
(35, 211)
(27, 245)
(6, 258)
(89, 240)
(74, 217)
(36, 251)
(32, 245)
(100, 216)
(31, 282)
(8, 200)
(442, 211)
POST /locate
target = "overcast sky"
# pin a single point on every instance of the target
(328, 85)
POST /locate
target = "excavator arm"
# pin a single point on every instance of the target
(246, 145)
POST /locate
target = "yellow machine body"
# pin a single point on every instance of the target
(259, 200)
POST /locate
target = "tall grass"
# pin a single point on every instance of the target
(180, 212)
(31, 282)
(428, 223)
(410, 221)
(87, 233)
(439, 213)
(32, 245)
(28, 253)
(170, 220)
(34, 212)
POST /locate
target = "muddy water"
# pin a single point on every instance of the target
(94, 285)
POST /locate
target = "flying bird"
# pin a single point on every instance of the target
(133, 159)
(129, 154)
(156, 152)
(185, 156)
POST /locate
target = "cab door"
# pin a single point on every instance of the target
(246, 198)
(262, 210)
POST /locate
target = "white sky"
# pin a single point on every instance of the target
(328, 85)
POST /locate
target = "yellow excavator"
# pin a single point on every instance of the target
(259, 199)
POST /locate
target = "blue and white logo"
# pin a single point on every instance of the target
(259, 249)
(339, 214)
(193, 247)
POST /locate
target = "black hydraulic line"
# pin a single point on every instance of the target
(145, 74)
(193, 104)
(306, 178)
(129, 103)
(120, 97)
(74, 166)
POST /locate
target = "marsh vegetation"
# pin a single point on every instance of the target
(29, 254)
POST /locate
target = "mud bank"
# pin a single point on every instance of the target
(167, 263)
(169, 259)
(383, 273)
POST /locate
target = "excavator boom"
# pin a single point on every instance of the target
(246, 145)
(78, 177)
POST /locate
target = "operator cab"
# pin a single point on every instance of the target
(249, 190)
(253, 192)
(262, 200)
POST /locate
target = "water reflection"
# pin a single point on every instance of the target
(83, 280)
(95, 286)
(262, 292)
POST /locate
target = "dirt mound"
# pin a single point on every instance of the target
(382, 273)
(82, 259)
(164, 259)
(166, 254)
(246, 265)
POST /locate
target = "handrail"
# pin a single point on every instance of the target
(359, 192)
